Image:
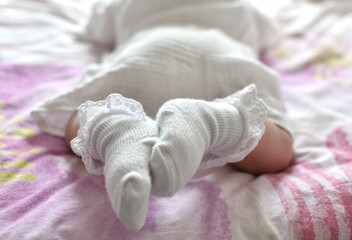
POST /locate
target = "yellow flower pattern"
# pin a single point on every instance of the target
(329, 62)
(17, 167)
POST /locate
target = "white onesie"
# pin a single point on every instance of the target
(163, 50)
(166, 49)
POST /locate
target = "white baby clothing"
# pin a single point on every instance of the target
(164, 50)
(139, 156)
(116, 138)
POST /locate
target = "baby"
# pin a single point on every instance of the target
(180, 89)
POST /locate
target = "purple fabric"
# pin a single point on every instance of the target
(46, 192)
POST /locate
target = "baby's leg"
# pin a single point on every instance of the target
(71, 129)
(115, 138)
(195, 132)
(273, 153)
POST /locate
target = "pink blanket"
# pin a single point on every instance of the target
(45, 192)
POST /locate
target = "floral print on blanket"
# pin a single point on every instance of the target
(14, 163)
(22, 145)
(302, 64)
(333, 66)
(49, 183)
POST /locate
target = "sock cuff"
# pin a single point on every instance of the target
(253, 111)
(90, 113)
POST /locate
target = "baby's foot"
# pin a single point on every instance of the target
(121, 136)
(195, 132)
(189, 129)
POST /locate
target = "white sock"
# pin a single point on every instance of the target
(119, 134)
(191, 130)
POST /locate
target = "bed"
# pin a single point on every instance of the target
(45, 192)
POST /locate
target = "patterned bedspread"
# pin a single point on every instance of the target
(45, 192)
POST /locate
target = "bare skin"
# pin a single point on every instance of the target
(71, 129)
(273, 153)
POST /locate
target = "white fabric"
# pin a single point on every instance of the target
(253, 112)
(87, 113)
(116, 137)
(163, 50)
(270, 206)
(327, 21)
(44, 33)
(172, 49)
(190, 129)
(114, 22)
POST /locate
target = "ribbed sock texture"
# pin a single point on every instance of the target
(125, 144)
(189, 129)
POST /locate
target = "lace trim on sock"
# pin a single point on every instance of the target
(88, 114)
(253, 111)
